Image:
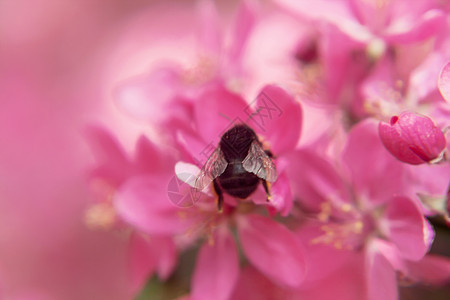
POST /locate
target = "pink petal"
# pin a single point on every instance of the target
(111, 157)
(281, 195)
(370, 14)
(217, 268)
(337, 64)
(362, 150)
(346, 283)
(142, 262)
(432, 269)
(278, 117)
(243, 24)
(272, 249)
(323, 258)
(252, 285)
(444, 82)
(144, 203)
(377, 88)
(148, 97)
(161, 249)
(381, 278)
(407, 227)
(167, 258)
(412, 138)
(389, 251)
(194, 147)
(314, 180)
(210, 36)
(336, 12)
(149, 158)
(216, 111)
(412, 30)
(422, 82)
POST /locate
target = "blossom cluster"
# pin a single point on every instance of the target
(351, 97)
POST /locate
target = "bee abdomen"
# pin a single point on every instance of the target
(240, 186)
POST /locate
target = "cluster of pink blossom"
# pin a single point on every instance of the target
(351, 98)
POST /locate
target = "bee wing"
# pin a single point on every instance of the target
(213, 168)
(259, 163)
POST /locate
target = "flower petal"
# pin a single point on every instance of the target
(381, 278)
(281, 195)
(148, 254)
(144, 203)
(217, 268)
(324, 258)
(407, 228)
(371, 166)
(209, 29)
(432, 269)
(112, 160)
(216, 111)
(444, 82)
(142, 262)
(316, 180)
(243, 24)
(411, 30)
(278, 117)
(148, 97)
(149, 158)
(263, 241)
(423, 78)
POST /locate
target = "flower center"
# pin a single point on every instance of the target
(348, 231)
(203, 71)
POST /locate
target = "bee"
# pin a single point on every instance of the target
(237, 165)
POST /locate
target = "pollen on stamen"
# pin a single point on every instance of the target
(100, 216)
(346, 207)
(340, 236)
(325, 212)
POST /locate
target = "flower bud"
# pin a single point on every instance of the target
(412, 138)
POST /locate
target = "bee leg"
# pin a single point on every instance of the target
(266, 188)
(219, 193)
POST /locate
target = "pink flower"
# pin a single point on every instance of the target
(217, 267)
(115, 182)
(394, 22)
(170, 84)
(356, 38)
(275, 116)
(362, 207)
(412, 138)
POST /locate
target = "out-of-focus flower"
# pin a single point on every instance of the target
(358, 37)
(115, 180)
(412, 138)
(218, 60)
(444, 82)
